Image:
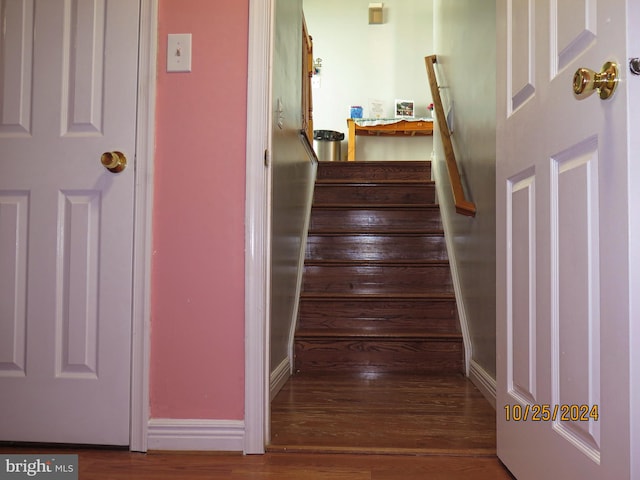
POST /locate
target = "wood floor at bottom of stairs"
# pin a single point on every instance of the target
(382, 414)
(108, 465)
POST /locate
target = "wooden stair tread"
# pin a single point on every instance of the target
(366, 297)
(377, 263)
(361, 182)
(392, 163)
(381, 206)
(350, 334)
(372, 231)
(368, 233)
(371, 205)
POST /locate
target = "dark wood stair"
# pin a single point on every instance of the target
(377, 294)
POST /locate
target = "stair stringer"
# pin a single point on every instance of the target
(301, 259)
(280, 373)
(455, 278)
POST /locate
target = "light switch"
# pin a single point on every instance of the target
(179, 52)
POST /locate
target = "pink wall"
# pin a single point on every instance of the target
(197, 325)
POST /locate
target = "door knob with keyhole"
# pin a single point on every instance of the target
(586, 81)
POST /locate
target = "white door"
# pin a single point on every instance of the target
(563, 250)
(68, 86)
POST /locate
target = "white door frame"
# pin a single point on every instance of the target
(143, 209)
(258, 228)
(257, 235)
(633, 97)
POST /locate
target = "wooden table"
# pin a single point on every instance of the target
(398, 128)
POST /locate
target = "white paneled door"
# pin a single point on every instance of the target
(68, 86)
(564, 369)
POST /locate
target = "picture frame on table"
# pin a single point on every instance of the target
(404, 108)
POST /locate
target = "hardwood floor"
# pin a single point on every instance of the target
(338, 427)
(382, 414)
(120, 465)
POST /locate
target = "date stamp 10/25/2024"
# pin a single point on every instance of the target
(551, 413)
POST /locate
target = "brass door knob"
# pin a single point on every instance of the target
(115, 162)
(586, 81)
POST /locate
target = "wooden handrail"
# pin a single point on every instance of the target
(463, 206)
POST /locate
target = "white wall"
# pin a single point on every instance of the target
(361, 62)
(465, 36)
(292, 174)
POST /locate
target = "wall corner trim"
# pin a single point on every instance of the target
(485, 382)
(257, 229)
(143, 228)
(195, 435)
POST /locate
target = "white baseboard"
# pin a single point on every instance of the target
(485, 382)
(279, 377)
(187, 434)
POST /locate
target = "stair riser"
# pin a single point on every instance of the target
(376, 247)
(375, 194)
(378, 356)
(377, 279)
(372, 171)
(328, 219)
(436, 316)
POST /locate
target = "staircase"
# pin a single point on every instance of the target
(377, 294)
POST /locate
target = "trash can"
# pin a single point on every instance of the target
(326, 144)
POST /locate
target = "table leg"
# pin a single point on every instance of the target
(351, 147)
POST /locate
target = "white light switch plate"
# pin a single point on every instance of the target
(179, 52)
